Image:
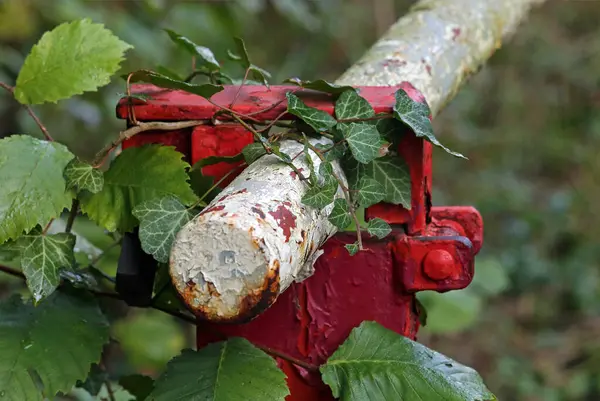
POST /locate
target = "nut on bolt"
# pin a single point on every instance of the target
(438, 264)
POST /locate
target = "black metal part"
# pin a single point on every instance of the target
(135, 272)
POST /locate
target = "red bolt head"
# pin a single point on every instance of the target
(438, 264)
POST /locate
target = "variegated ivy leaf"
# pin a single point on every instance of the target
(340, 215)
(370, 192)
(378, 228)
(83, 177)
(416, 116)
(364, 141)
(253, 151)
(317, 119)
(160, 221)
(319, 197)
(350, 105)
(352, 248)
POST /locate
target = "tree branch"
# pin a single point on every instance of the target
(47, 135)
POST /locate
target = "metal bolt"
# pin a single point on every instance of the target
(438, 264)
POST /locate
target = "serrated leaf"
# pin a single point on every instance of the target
(163, 81)
(364, 141)
(139, 386)
(73, 58)
(416, 116)
(224, 371)
(253, 152)
(352, 248)
(375, 363)
(390, 171)
(204, 55)
(350, 105)
(340, 215)
(83, 177)
(242, 57)
(58, 340)
(369, 192)
(317, 119)
(33, 188)
(137, 175)
(378, 228)
(319, 197)
(160, 221)
(42, 259)
(320, 85)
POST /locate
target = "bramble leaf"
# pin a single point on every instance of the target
(57, 340)
(375, 363)
(350, 105)
(160, 221)
(83, 177)
(33, 188)
(204, 56)
(163, 81)
(317, 119)
(370, 192)
(137, 175)
(416, 116)
(73, 58)
(352, 248)
(320, 85)
(243, 58)
(378, 228)
(222, 371)
(253, 151)
(340, 215)
(364, 141)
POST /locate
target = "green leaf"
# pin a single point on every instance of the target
(375, 363)
(370, 192)
(364, 141)
(95, 380)
(317, 119)
(33, 187)
(137, 175)
(42, 259)
(390, 171)
(73, 58)
(161, 69)
(160, 221)
(320, 85)
(139, 386)
(253, 152)
(204, 56)
(163, 81)
(319, 197)
(327, 179)
(378, 228)
(243, 58)
(352, 248)
(340, 215)
(83, 177)
(58, 341)
(224, 371)
(351, 105)
(416, 116)
(333, 153)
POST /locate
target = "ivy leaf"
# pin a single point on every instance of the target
(161, 69)
(139, 386)
(138, 174)
(317, 119)
(203, 54)
(327, 177)
(243, 58)
(378, 228)
(57, 340)
(33, 188)
(390, 171)
(375, 363)
(350, 105)
(253, 152)
(160, 221)
(42, 259)
(163, 81)
(352, 250)
(83, 177)
(333, 153)
(370, 192)
(416, 116)
(320, 85)
(73, 58)
(364, 141)
(230, 370)
(319, 197)
(340, 215)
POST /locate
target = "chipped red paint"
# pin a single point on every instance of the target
(256, 209)
(215, 208)
(294, 175)
(455, 33)
(285, 219)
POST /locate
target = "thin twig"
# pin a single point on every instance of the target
(47, 135)
(47, 227)
(240, 88)
(72, 215)
(273, 122)
(295, 361)
(216, 184)
(12, 272)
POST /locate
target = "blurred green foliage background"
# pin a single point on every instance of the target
(529, 122)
